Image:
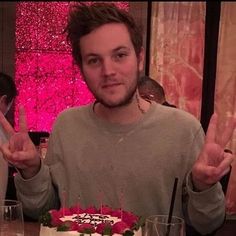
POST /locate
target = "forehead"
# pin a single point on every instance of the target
(105, 39)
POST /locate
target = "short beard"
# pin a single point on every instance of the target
(124, 102)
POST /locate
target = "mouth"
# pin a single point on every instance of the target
(111, 85)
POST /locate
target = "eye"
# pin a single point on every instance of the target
(120, 55)
(93, 61)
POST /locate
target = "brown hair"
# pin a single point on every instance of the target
(84, 18)
(7, 87)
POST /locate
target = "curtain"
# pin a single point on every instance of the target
(225, 93)
(177, 51)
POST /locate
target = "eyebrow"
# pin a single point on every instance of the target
(120, 47)
(113, 50)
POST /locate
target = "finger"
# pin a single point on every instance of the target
(211, 131)
(206, 175)
(6, 125)
(6, 152)
(20, 156)
(16, 143)
(228, 132)
(22, 120)
(224, 166)
(225, 172)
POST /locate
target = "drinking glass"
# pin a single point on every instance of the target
(11, 218)
(157, 225)
(43, 146)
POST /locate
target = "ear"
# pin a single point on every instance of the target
(141, 60)
(3, 102)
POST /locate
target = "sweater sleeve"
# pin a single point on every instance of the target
(36, 194)
(42, 192)
(204, 210)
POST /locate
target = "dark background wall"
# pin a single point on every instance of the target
(7, 42)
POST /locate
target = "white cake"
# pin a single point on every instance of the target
(76, 221)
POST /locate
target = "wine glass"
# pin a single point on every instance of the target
(157, 225)
(11, 218)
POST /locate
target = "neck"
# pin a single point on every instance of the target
(126, 114)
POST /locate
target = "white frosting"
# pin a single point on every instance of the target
(82, 218)
(93, 219)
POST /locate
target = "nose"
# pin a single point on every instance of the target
(108, 68)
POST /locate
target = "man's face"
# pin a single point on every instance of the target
(110, 65)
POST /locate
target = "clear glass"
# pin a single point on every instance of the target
(11, 218)
(157, 225)
(43, 146)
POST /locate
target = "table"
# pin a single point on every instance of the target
(31, 228)
(229, 229)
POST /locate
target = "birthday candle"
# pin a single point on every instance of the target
(100, 200)
(78, 206)
(63, 202)
(121, 203)
(78, 203)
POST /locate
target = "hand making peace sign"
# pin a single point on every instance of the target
(19, 150)
(213, 162)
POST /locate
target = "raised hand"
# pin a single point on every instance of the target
(213, 162)
(19, 150)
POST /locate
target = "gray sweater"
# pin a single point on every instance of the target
(88, 158)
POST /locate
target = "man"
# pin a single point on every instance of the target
(151, 90)
(121, 143)
(7, 94)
